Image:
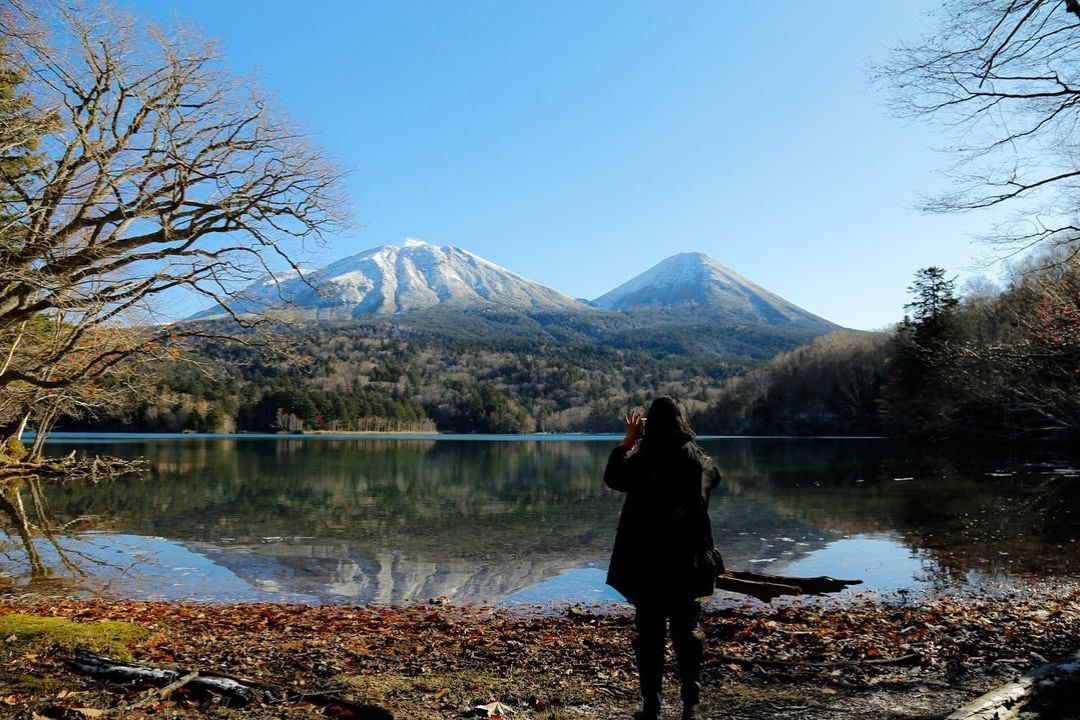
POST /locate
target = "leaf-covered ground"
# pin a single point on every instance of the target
(918, 659)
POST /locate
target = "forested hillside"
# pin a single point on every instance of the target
(353, 378)
(477, 367)
(989, 364)
(999, 363)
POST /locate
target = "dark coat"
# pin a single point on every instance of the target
(664, 536)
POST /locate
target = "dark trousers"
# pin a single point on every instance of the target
(650, 620)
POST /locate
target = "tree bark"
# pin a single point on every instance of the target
(768, 587)
(1015, 698)
(234, 692)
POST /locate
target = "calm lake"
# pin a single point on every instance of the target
(527, 520)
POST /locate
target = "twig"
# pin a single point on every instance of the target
(162, 693)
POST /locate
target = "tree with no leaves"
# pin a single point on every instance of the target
(157, 171)
(1004, 76)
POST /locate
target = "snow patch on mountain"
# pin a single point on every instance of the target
(695, 280)
(393, 279)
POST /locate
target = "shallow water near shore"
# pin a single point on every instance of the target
(526, 521)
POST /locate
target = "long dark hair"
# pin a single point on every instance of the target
(666, 423)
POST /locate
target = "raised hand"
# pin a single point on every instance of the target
(635, 424)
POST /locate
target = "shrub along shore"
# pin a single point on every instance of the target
(856, 658)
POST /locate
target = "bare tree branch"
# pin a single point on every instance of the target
(160, 172)
(1003, 76)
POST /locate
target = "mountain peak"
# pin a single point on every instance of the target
(695, 280)
(392, 279)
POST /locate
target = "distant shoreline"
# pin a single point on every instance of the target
(76, 436)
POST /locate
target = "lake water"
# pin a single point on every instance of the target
(527, 520)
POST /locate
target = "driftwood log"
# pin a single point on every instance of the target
(769, 587)
(1053, 685)
(231, 691)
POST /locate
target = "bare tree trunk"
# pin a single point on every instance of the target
(158, 170)
(43, 428)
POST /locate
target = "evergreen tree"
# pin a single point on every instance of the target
(921, 398)
(933, 306)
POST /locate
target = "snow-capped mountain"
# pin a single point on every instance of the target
(696, 282)
(447, 291)
(392, 280)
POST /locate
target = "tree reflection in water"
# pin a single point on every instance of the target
(22, 527)
(382, 519)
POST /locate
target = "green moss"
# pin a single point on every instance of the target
(23, 683)
(13, 449)
(29, 633)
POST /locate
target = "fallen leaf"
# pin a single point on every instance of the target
(495, 709)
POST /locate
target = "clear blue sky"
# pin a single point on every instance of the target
(579, 143)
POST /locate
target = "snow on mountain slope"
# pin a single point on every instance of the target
(394, 280)
(696, 281)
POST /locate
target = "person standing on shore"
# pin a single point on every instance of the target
(663, 559)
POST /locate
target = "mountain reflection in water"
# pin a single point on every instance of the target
(393, 520)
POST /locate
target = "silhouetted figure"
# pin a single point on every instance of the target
(663, 559)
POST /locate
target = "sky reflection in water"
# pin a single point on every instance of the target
(527, 522)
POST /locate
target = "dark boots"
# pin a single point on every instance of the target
(689, 644)
(650, 710)
(650, 704)
(690, 709)
(650, 677)
(691, 696)
(649, 649)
